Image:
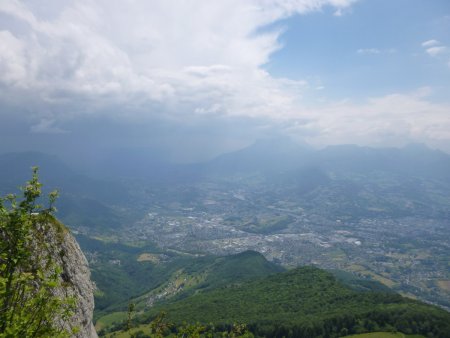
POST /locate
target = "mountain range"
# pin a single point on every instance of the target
(107, 198)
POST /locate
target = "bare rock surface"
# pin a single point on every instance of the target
(75, 276)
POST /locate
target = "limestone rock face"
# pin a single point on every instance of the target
(75, 276)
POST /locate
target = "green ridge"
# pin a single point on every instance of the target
(307, 302)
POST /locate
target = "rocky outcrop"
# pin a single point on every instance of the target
(74, 277)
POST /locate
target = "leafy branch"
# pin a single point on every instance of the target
(29, 276)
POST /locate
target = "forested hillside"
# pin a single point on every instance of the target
(304, 302)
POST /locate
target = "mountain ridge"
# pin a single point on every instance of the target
(302, 302)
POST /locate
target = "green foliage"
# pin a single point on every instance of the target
(268, 226)
(221, 271)
(307, 302)
(131, 307)
(358, 284)
(119, 283)
(191, 330)
(384, 335)
(159, 326)
(29, 275)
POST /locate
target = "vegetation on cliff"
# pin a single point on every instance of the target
(29, 274)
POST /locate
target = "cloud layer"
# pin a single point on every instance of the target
(136, 61)
(205, 54)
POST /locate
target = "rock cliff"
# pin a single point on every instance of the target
(74, 277)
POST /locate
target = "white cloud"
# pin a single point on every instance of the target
(198, 58)
(13, 65)
(434, 51)
(437, 50)
(430, 43)
(375, 51)
(368, 51)
(393, 119)
(149, 51)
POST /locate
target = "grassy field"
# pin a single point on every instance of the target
(148, 257)
(130, 333)
(108, 320)
(364, 271)
(444, 285)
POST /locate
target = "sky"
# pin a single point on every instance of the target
(195, 78)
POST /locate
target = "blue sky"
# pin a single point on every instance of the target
(388, 35)
(199, 77)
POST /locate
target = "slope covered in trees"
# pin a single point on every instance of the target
(306, 302)
(178, 277)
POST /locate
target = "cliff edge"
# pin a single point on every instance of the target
(75, 276)
(45, 285)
